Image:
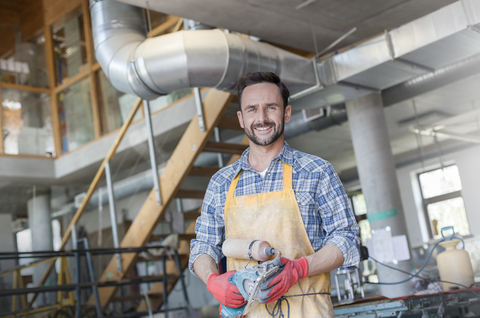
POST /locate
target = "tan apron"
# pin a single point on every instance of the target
(276, 218)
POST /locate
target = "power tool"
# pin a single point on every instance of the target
(247, 281)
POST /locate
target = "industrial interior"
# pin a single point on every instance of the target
(116, 113)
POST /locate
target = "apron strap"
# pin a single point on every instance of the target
(287, 176)
(233, 186)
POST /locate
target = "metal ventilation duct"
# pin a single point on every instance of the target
(419, 48)
(157, 66)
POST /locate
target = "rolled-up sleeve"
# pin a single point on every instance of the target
(338, 220)
(210, 228)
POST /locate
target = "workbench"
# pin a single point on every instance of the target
(444, 304)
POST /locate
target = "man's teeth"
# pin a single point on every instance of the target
(263, 128)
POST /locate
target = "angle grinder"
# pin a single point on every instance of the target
(247, 282)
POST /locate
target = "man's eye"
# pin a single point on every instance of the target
(250, 110)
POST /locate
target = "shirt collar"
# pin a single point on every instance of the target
(286, 155)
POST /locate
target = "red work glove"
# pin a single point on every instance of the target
(281, 282)
(225, 291)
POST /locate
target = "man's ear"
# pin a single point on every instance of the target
(288, 113)
(240, 118)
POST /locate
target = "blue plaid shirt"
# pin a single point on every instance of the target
(322, 200)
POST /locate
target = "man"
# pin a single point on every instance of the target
(293, 200)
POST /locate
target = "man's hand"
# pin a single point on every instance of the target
(225, 291)
(281, 282)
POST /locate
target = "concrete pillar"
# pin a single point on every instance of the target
(7, 244)
(40, 224)
(376, 169)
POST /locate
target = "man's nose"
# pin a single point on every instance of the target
(262, 116)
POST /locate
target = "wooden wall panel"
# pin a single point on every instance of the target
(55, 9)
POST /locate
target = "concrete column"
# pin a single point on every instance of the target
(376, 169)
(40, 224)
(7, 244)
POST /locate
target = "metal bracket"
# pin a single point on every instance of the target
(113, 219)
(198, 104)
(151, 151)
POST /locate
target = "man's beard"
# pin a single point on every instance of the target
(270, 140)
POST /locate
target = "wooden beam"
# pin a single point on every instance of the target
(50, 58)
(178, 25)
(190, 194)
(165, 26)
(228, 122)
(203, 171)
(87, 27)
(91, 189)
(223, 147)
(72, 80)
(176, 170)
(184, 236)
(95, 111)
(25, 88)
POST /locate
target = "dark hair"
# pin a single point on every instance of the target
(251, 78)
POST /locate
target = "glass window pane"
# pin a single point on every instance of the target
(447, 213)
(365, 231)
(114, 105)
(69, 45)
(25, 63)
(359, 204)
(440, 181)
(27, 123)
(164, 101)
(75, 113)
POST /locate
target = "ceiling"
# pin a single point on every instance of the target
(278, 21)
(335, 144)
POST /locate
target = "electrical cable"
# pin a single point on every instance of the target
(426, 279)
(420, 270)
(413, 275)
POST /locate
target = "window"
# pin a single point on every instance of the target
(27, 124)
(360, 210)
(75, 113)
(69, 46)
(442, 200)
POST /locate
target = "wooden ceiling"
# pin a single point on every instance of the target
(25, 16)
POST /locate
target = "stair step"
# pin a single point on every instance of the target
(190, 194)
(135, 297)
(181, 237)
(228, 122)
(227, 148)
(160, 258)
(203, 171)
(191, 215)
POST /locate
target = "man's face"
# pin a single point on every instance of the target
(263, 116)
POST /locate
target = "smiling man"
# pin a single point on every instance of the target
(293, 200)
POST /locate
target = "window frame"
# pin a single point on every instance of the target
(436, 199)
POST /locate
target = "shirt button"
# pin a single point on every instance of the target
(269, 174)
